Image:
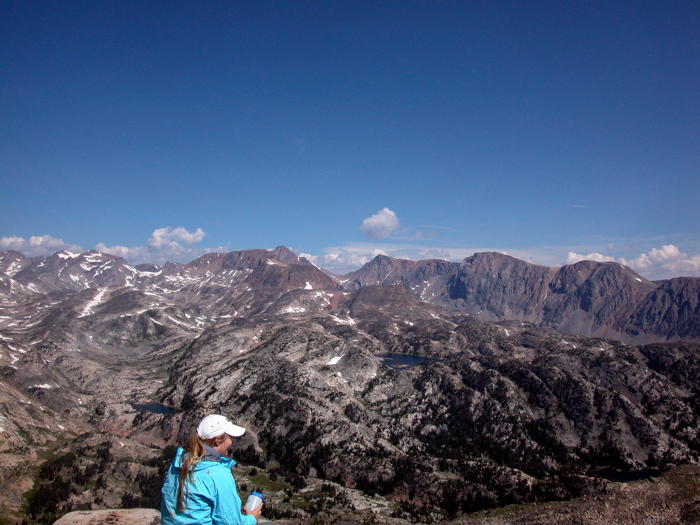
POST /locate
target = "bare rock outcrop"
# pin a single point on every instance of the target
(111, 517)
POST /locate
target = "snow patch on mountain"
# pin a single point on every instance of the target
(294, 310)
(347, 320)
(101, 292)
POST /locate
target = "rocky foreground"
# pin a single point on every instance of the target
(671, 499)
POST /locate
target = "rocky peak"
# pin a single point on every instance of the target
(292, 276)
(379, 271)
(12, 262)
(285, 255)
(491, 261)
(149, 268)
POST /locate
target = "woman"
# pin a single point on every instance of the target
(199, 487)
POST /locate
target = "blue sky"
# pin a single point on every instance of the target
(549, 130)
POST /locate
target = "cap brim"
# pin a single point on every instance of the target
(234, 430)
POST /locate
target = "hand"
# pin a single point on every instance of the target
(257, 513)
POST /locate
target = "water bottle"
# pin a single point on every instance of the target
(254, 501)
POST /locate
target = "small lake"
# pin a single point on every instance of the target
(156, 408)
(626, 477)
(403, 361)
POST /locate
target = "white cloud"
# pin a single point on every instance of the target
(597, 257)
(341, 260)
(308, 256)
(37, 245)
(170, 236)
(380, 225)
(667, 253)
(164, 245)
(135, 254)
(659, 263)
(666, 262)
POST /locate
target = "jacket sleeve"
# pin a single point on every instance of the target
(227, 504)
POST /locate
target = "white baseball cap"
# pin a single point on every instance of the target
(215, 425)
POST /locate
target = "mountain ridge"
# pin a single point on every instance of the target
(588, 298)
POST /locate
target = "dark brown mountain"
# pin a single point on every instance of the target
(587, 298)
(670, 312)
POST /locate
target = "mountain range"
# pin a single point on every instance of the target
(587, 298)
(519, 383)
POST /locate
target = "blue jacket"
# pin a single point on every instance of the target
(212, 499)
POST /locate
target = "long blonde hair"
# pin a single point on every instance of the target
(193, 454)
